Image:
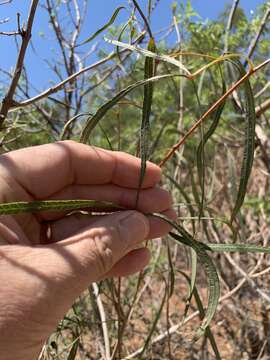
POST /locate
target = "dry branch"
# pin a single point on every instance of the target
(254, 42)
(60, 85)
(8, 101)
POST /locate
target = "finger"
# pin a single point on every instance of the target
(132, 263)
(150, 200)
(73, 224)
(46, 169)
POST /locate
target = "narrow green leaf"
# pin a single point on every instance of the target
(206, 137)
(241, 248)
(210, 270)
(149, 72)
(129, 22)
(74, 349)
(208, 332)
(68, 123)
(109, 23)
(56, 205)
(101, 112)
(211, 274)
(171, 272)
(249, 145)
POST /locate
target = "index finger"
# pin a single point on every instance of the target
(46, 169)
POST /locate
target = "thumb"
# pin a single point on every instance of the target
(88, 255)
(48, 278)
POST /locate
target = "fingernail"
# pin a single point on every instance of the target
(136, 225)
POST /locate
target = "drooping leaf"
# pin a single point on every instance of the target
(109, 23)
(94, 120)
(185, 238)
(211, 274)
(208, 332)
(249, 141)
(206, 137)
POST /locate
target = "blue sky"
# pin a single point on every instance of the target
(99, 12)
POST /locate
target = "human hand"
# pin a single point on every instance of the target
(48, 259)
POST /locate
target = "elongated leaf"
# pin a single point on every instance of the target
(211, 274)
(208, 332)
(69, 122)
(193, 256)
(74, 349)
(151, 54)
(249, 145)
(122, 32)
(210, 270)
(149, 70)
(109, 23)
(94, 120)
(56, 205)
(241, 248)
(171, 272)
(207, 136)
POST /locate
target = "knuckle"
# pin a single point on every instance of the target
(101, 249)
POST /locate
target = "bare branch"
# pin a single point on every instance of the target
(4, 2)
(60, 85)
(254, 42)
(26, 35)
(262, 108)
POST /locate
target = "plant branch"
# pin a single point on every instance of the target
(262, 108)
(60, 85)
(254, 42)
(26, 35)
(210, 110)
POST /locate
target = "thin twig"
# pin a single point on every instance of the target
(262, 108)
(103, 321)
(10, 33)
(4, 2)
(229, 25)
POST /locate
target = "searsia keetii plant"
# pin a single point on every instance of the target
(219, 92)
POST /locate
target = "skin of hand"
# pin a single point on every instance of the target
(47, 259)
